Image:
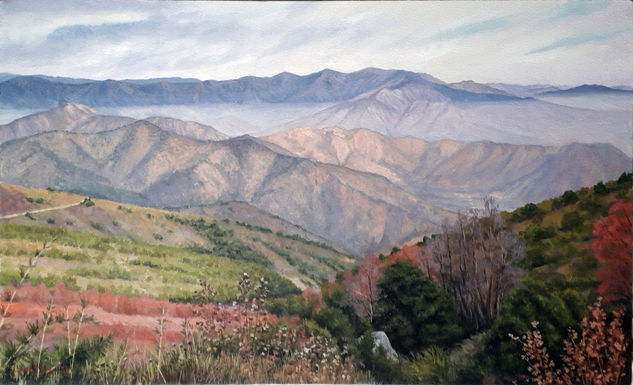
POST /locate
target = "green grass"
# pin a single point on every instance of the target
(557, 232)
(124, 266)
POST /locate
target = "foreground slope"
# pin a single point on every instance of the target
(138, 232)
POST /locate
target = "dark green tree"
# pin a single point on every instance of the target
(625, 177)
(569, 197)
(553, 302)
(414, 311)
(529, 211)
(600, 189)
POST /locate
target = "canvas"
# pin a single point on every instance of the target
(315, 192)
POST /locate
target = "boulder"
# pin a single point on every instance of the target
(381, 340)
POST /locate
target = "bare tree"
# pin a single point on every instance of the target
(475, 256)
(362, 288)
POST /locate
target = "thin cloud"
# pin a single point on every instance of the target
(573, 41)
(576, 8)
(472, 29)
(453, 41)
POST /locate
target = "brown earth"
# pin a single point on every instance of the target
(127, 318)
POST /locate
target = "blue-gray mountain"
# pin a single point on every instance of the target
(393, 102)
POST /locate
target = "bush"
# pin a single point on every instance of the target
(569, 197)
(429, 367)
(625, 178)
(571, 221)
(96, 226)
(552, 302)
(529, 211)
(337, 323)
(600, 189)
(414, 311)
(50, 221)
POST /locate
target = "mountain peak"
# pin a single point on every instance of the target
(74, 108)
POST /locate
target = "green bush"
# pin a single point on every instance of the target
(625, 178)
(414, 311)
(529, 211)
(429, 367)
(600, 189)
(337, 323)
(96, 226)
(571, 221)
(569, 197)
(550, 300)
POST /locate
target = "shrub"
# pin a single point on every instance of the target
(571, 221)
(529, 211)
(414, 311)
(569, 197)
(625, 177)
(50, 221)
(600, 189)
(96, 226)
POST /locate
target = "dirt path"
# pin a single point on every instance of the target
(40, 210)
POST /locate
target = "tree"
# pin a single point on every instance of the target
(552, 301)
(569, 197)
(529, 211)
(363, 290)
(600, 189)
(625, 177)
(611, 246)
(414, 311)
(475, 258)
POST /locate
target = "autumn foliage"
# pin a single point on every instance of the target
(595, 356)
(611, 246)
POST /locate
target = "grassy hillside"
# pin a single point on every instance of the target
(557, 232)
(138, 250)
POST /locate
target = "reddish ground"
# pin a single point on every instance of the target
(131, 318)
(12, 202)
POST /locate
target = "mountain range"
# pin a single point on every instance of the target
(456, 175)
(143, 164)
(359, 189)
(83, 119)
(392, 102)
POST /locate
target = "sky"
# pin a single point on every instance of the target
(528, 42)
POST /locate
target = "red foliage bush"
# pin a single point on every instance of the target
(611, 246)
(597, 356)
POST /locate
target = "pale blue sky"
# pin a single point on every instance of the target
(563, 43)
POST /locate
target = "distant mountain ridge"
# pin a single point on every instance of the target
(143, 164)
(83, 119)
(323, 86)
(433, 112)
(456, 175)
